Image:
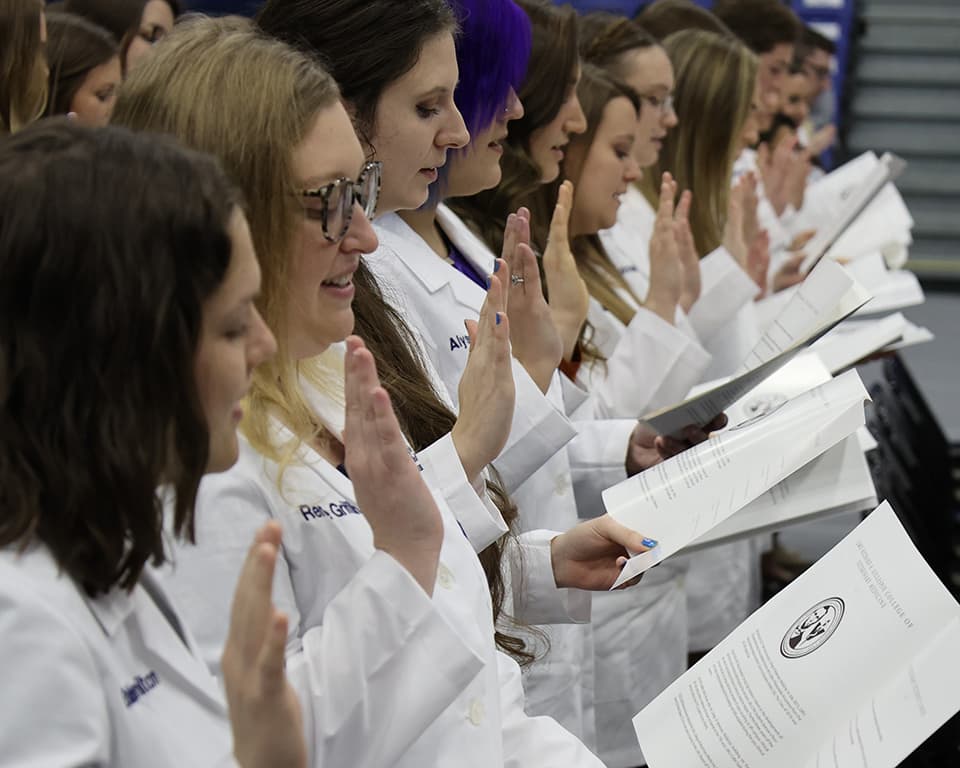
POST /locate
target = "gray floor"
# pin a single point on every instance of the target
(936, 366)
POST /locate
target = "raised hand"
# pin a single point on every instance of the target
(569, 297)
(666, 273)
(733, 229)
(534, 337)
(687, 251)
(750, 202)
(758, 260)
(265, 714)
(486, 389)
(389, 488)
(789, 273)
(822, 139)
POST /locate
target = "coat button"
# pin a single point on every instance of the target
(445, 577)
(476, 711)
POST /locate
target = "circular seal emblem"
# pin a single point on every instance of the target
(813, 629)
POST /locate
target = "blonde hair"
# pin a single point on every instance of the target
(715, 79)
(23, 65)
(223, 87)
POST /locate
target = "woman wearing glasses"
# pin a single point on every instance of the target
(397, 693)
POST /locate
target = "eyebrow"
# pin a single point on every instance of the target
(625, 137)
(440, 90)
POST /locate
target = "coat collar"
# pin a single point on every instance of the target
(432, 272)
(472, 247)
(143, 612)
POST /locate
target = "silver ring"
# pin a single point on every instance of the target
(516, 280)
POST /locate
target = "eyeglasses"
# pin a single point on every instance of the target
(332, 204)
(664, 104)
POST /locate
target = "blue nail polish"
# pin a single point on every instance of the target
(496, 265)
(489, 283)
(649, 543)
(498, 318)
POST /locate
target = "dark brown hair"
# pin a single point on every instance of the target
(102, 284)
(550, 76)
(74, 47)
(605, 37)
(664, 17)
(365, 44)
(761, 24)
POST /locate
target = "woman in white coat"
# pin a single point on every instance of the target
(290, 466)
(118, 376)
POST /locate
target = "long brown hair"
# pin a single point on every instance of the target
(604, 281)
(23, 67)
(98, 401)
(75, 46)
(259, 96)
(715, 82)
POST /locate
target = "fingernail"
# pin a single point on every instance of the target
(496, 265)
(649, 543)
(489, 283)
(498, 318)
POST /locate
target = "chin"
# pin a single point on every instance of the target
(223, 454)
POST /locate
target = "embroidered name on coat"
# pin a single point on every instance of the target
(459, 342)
(141, 687)
(334, 509)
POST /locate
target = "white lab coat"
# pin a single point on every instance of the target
(719, 582)
(436, 298)
(424, 692)
(103, 681)
(723, 318)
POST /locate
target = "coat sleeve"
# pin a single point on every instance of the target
(538, 431)
(653, 364)
(360, 673)
(598, 459)
(726, 288)
(478, 516)
(529, 742)
(535, 596)
(53, 711)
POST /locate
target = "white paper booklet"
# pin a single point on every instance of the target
(891, 288)
(681, 499)
(853, 664)
(836, 482)
(855, 340)
(828, 295)
(861, 189)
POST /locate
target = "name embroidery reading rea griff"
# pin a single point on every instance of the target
(141, 687)
(318, 511)
(459, 342)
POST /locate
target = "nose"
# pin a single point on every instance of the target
(631, 170)
(264, 344)
(669, 119)
(360, 235)
(514, 107)
(454, 134)
(576, 121)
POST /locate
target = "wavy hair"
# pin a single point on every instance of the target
(715, 78)
(23, 66)
(102, 285)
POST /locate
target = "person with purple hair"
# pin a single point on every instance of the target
(439, 265)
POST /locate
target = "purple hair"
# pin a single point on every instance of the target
(492, 52)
